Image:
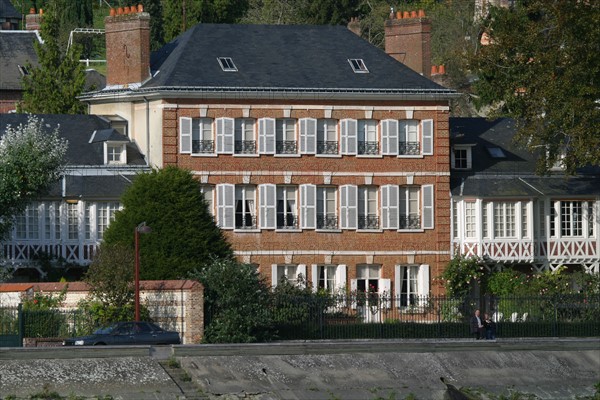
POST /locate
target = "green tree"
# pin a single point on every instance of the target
(542, 68)
(237, 303)
(184, 236)
(53, 87)
(30, 160)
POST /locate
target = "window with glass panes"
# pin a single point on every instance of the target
(285, 136)
(290, 271)
(408, 137)
(52, 220)
(327, 140)
(245, 141)
(202, 136)
(245, 206)
(470, 219)
(504, 220)
(460, 158)
(367, 278)
(326, 277)
(367, 207)
(87, 220)
(571, 218)
(591, 219)
(367, 137)
(455, 219)
(524, 220)
(114, 153)
(326, 207)
(408, 285)
(208, 192)
(73, 221)
(105, 214)
(409, 207)
(287, 214)
(485, 220)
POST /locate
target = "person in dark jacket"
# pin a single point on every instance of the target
(489, 326)
(477, 328)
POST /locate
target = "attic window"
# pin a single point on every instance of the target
(23, 70)
(227, 64)
(358, 65)
(496, 152)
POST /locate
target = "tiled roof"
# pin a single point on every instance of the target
(16, 48)
(7, 10)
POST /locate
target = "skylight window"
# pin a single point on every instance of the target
(227, 64)
(358, 65)
(496, 152)
(23, 70)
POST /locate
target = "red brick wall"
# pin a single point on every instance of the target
(310, 246)
(408, 41)
(9, 100)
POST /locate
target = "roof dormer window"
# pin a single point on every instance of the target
(227, 64)
(358, 65)
(461, 157)
(115, 153)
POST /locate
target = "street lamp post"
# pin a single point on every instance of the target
(141, 228)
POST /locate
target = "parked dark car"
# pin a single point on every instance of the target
(126, 333)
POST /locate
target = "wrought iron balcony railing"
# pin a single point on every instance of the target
(203, 146)
(409, 148)
(245, 147)
(327, 221)
(286, 147)
(327, 147)
(368, 148)
(410, 222)
(368, 222)
(245, 221)
(287, 221)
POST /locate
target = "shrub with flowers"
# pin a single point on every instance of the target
(461, 274)
(41, 314)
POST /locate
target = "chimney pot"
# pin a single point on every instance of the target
(406, 14)
(413, 14)
(434, 70)
(41, 12)
(113, 12)
(32, 10)
(126, 10)
(442, 70)
(421, 13)
(120, 11)
(398, 14)
(140, 8)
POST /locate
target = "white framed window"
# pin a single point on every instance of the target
(411, 285)
(576, 218)
(73, 221)
(367, 207)
(358, 66)
(348, 206)
(367, 278)
(293, 273)
(505, 220)
(591, 219)
(226, 64)
(524, 219)
(287, 213)
(87, 217)
(308, 135)
(285, 136)
(368, 281)
(485, 220)
(470, 219)
(328, 277)
(410, 215)
(327, 207)
(114, 153)
(454, 219)
(245, 207)
(408, 137)
(367, 137)
(461, 157)
(208, 192)
(327, 138)
(27, 224)
(105, 214)
(245, 139)
(52, 220)
(203, 141)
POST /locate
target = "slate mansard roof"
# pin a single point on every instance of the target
(16, 49)
(281, 59)
(513, 175)
(8, 11)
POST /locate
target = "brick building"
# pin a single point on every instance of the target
(320, 155)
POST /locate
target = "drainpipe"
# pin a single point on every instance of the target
(147, 131)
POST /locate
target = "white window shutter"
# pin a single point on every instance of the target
(340, 278)
(423, 284)
(225, 205)
(266, 136)
(348, 129)
(274, 278)
(301, 275)
(225, 130)
(267, 203)
(427, 133)
(389, 207)
(389, 137)
(348, 206)
(308, 136)
(314, 271)
(353, 292)
(385, 293)
(427, 212)
(185, 135)
(308, 206)
(397, 283)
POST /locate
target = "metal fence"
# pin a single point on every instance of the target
(375, 316)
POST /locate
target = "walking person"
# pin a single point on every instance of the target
(477, 328)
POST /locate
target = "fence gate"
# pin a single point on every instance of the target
(11, 326)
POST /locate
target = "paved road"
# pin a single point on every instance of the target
(384, 369)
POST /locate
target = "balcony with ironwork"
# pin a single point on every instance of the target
(245, 147)
(327, 221)
(368, 222)
(368, 148)
(203, 146)
(287, 221)
(245, 221)
(327, 147)
(286, 147)
(409, 148)
(410, 222)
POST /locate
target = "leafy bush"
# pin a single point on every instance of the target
(460, 275)
(41, 315)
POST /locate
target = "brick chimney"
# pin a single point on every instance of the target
(127, 46)
(33, 21)
(408, 40)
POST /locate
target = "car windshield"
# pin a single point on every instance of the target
(105, 330)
